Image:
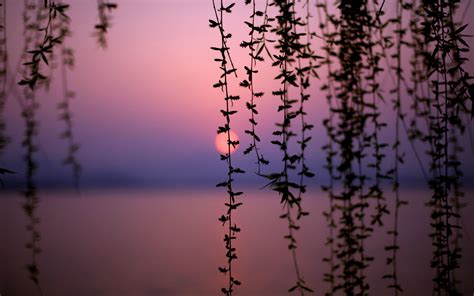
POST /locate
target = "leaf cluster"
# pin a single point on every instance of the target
(45, 48)
(105, 9)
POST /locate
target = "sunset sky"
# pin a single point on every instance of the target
(145, 112)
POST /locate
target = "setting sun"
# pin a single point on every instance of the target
(221, 143)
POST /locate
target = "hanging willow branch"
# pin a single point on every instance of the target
(356, 150)
(353, 127)
(288, 47)
(104, 9)
(33, 16)
(3, 78)
(64, 107)
(375, 49)
(348, 130)
(223, 84)
(256, 45)
(463, 93)
(328, 47)
(393, 247)
(306, 60)
(440, 100)
(450, 99)
(45, 47)
(30, 193)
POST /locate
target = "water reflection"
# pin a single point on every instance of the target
(169, 243)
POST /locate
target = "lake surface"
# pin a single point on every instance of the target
(169, 242)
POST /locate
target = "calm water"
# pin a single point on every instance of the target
(106, 243)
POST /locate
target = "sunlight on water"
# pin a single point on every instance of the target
(170, 243)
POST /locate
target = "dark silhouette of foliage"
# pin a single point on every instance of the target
(348, 129)
(356, 41)
(289, 49)
(46, 25)
(34, 15)
(328, 87)
(3, 74)
(307, 65)
(67, 63)
(439, 46)
(3, 82)
(49, 41)
(393, 247)
(257, 44)
(104, 9)
(227, 68)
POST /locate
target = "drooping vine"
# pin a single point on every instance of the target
(374, 52)
(450, 96)
(440, 99)
(104, 9)
(3, 80)
(347, 132)
(328, 47)
(305, 70)
(31, 203)
(49, 41)
(40, 41)
(227, 69)
(392, 258)
(288, 47)
(351, 117)
(33, 15)
(457, 202)
(46, 26)
(463, 92)
(67, 64)
(257, 45)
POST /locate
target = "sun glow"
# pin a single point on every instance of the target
(221, 143)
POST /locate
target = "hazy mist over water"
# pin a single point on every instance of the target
(169, 242)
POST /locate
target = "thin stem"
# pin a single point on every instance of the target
(232, 229)
(255, 54)
(3, 77)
